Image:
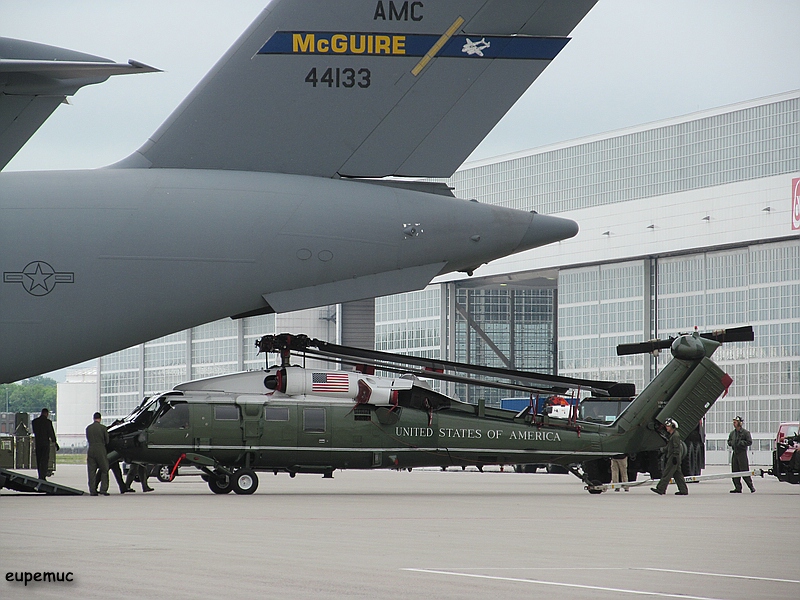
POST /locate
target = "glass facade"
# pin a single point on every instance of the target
(518, 322)
(224, 346)
(252, 329)
(750, 143)
(600, 307)
(409, 323)
(215, 349)
(119, 382)
(164, 363)
(758, 285)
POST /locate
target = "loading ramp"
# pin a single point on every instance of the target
(26, 483)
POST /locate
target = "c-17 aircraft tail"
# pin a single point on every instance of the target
(363, 88)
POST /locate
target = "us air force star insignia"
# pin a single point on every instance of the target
(38, 278)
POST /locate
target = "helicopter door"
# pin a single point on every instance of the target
(252, 423)
(314, 427)
(280, 434)
(280, 427)
(202, 426)
(171, 429)
(226, 434)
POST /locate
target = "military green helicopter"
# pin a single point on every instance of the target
(306, 420)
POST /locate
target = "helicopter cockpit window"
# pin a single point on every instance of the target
(276, 413)
(602, 411)
(314, 420)
(226, 412)
(175, 417)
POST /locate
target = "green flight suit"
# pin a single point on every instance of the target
(672, 466)
(740, 441)
(97, 457)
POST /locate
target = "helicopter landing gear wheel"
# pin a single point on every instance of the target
(593, 483)
(222, 485)
(245, 481)
(163, 473)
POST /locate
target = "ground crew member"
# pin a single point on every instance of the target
(672, 465)
(140, 471)
(96, 457)
(43, 434)
(619, 470)
(117, 471)
(740, 440)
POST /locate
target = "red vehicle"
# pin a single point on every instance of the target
(786, 457)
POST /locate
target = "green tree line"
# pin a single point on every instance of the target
(30, 395)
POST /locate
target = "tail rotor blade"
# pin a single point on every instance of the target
(734, 334)
(648, 347)
(723, 336)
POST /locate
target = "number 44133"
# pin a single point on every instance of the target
(337, 77)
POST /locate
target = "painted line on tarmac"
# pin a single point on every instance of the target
(753, 577)
(560, 584)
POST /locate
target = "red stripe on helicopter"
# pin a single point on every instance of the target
(727, 380)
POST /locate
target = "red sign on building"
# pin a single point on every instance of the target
(796, 203)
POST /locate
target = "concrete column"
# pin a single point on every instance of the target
(240, 344)
(141, 370)
(188, 355)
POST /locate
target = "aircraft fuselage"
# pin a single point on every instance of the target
(97, 261)
(365, 438)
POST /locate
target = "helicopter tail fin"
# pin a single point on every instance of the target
(684, 391)
(697, 394)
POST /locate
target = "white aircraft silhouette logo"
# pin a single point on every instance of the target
(475, 47)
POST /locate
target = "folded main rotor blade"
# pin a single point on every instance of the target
(303, 343)
(448, 377)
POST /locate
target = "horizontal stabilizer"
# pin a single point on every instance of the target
(36, 78)
(428, 187)
(363, 88)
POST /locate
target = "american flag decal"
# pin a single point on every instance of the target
(330, 382)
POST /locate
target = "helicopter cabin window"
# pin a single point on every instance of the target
(176, 416)
(276, 413)
(226, 412)
(314, 420)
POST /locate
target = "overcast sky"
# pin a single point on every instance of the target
(629, 62)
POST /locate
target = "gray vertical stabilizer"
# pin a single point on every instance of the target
(363, 88)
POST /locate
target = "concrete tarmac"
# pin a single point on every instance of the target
(385, 534)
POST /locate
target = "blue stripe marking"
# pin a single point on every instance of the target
(522, 47)
(413, 45)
